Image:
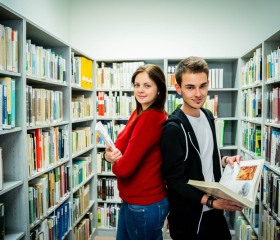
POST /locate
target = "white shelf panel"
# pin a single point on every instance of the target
(9, 185)
(13, 130)
(14, 236)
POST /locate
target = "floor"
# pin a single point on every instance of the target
(112, 238)
(104, 238)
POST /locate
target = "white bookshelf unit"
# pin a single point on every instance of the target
(107, 73)
(28, 179)
(259, 134)
(12, 142)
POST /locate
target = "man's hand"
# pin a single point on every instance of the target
(230, 160)
(227, 205)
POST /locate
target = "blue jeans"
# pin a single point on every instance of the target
(142, 222)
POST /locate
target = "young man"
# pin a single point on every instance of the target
(189, 150)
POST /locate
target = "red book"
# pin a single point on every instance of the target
(101, 103)
(38, 137)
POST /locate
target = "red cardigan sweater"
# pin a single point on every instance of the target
(138, 171)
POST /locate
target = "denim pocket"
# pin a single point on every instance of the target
(136, 208)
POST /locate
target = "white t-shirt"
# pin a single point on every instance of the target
(204, 137)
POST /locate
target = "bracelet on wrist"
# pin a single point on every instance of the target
(209, 202)
(225, 160)
(103, 156)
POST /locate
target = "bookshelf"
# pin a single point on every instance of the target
(113, 86)
(252, 114)
(82, 119)
(260, 126)
(227, 107)
(39, 157)
(12, 142)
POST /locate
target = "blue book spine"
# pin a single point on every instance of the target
(4, 107)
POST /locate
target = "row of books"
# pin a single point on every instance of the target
(43, 106)
(8, 49)
(251, 102)
(7, 103)
(2, 221)
(112, 104)
(82, 107)
(46, 191)
(102, 166)
(171, 78)
(244, 230)
(220, 126)
(270, 226)
(272, 145)
(112, 128)
(107, 189)
(44, 63)
(252, 214)
(80, 201)
(81, 139)
(81, 169)
(270, 189)
(55, 226)
(251, 72)
(118, 75)
(273, 64)
(216, 77)
(107, 215)
(173, 100)
(46, 147)
(212, 104)
(84, 229)
(273, 105)
(1, 170)
(251, 137)
(81, 72)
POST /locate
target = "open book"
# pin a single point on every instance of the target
(100, 130)
(239, 184)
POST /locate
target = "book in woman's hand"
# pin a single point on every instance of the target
(239, 184)
(100, 130)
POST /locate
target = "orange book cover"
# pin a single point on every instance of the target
(101, 109)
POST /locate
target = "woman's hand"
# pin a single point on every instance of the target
(112, 156)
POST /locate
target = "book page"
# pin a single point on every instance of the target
(243, 179)
(104, 135)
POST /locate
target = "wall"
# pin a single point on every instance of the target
(177, 28)
(51, 15)
(122, 29)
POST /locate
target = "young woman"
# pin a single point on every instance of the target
(137, 160)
